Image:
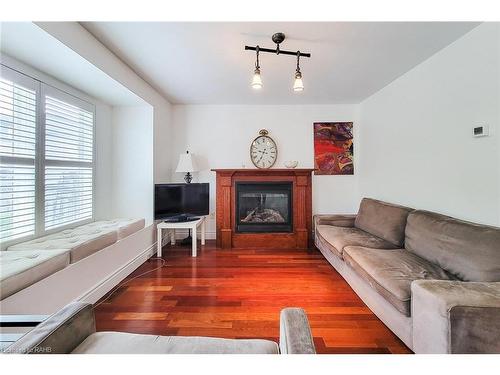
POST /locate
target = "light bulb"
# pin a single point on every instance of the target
(298, 85)
(256, 80)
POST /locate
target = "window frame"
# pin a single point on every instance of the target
(43, 89)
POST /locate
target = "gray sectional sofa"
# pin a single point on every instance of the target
(72, 330)
(432, 279)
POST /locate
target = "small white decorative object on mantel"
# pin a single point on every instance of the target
(291, 163)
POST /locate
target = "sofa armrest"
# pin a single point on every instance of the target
(295, 333)
(60, 333)
(346, 220)
(455, 316)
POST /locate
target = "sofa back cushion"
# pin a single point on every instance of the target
(469, 251)
(383, 220)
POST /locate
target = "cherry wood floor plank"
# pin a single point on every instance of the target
(239, 294)
(140, 316)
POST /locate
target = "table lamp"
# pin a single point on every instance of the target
(187, 164)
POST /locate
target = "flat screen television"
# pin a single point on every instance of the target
(181, 199)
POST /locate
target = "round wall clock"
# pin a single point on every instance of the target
(263, 150)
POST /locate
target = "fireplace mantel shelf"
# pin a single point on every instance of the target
(268, 170)
(257, 171)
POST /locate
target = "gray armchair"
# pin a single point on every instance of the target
(72, 330)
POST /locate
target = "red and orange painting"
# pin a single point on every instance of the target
(333, 148)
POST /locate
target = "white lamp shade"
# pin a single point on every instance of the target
(186, 163)
(298, 85)
(256, 80)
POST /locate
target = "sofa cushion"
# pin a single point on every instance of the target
(391, 272)
(469, 251)
(383, 220)
(129, 343)
(80, 245)
(123, 227)
(20, 269)
(336, 238)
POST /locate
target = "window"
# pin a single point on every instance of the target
(47, 158)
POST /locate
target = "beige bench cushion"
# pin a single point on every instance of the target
(79, 244)
(129, 343)
(123, 227)
(20, 269)
(391, 272)
(336, 238)
(86, 239)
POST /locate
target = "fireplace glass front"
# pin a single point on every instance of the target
(264, 207)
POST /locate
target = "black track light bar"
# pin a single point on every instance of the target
(277, 51)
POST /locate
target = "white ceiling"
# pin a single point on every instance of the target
(31, 45)
(205, 63)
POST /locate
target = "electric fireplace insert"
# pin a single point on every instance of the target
(264, 207)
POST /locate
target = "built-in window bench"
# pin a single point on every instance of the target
(26, 263)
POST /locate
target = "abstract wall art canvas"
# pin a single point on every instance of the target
(333, 148)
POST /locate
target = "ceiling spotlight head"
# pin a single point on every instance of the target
(298, 85)
(256, 80)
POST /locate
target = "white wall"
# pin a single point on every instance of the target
(416, 146)
(132, 168)
(163, 141)
(220, 137)
(76, 37)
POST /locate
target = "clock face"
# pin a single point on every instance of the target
(263, 152)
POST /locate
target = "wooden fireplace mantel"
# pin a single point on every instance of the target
(264, 171)
(226, 234)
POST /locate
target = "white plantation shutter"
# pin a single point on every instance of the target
(18, 119)
(69, 155)
(68, 195)
(17, 212)
(68, 131)
(47, 158)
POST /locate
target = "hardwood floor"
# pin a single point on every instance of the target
(239, 294)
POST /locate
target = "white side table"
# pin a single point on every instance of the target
(193, 225)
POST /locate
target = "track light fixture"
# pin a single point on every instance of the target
(277, 38)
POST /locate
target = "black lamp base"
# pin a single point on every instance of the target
(188, 178)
